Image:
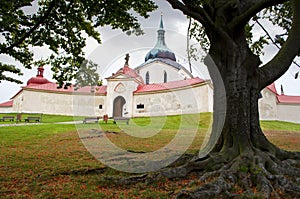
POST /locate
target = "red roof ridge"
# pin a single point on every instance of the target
(7, 104)
(168, 85)
(54, 87)
(289, 99)
(283, 98)
(272, 88)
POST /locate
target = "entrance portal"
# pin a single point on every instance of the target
(118, 106)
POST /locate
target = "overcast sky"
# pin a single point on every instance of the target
(110, 54)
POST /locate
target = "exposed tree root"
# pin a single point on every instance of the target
(259, 170)
(254, 175)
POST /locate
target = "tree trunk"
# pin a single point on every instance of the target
(241, 133)
(242, 155)
(233, 59)
(237, 153)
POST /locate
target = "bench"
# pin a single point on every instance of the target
(91, 119)
(122, 119)
(35, 119)
(8, 118)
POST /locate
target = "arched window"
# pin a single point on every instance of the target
(165, 77)
(147, 77)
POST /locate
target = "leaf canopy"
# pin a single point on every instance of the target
(62, 26)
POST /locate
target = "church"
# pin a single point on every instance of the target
(159, 86)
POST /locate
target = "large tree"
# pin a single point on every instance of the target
(242, 156)
(62, 26)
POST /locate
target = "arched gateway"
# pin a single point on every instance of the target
(118, 106)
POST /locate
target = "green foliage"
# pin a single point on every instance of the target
(87, 75)
(60, 25)
(11, 69)
(257, 45)
(279, 15)
(197, 32)
(244, 169)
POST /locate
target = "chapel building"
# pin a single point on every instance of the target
(159, 86)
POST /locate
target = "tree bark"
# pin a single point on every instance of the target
(237, 66)
(242, 155)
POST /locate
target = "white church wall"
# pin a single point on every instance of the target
(123, 88)
(17, 103)
(6, 109)
(89, 105)
(203, 95)
(172, 102)
(59, 103)
(210, 93)
(288, 112)
(267, 105)
(184, 73)
(46, 102)
(156, 73)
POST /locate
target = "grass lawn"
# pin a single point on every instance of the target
(46, 118)
(50, 161)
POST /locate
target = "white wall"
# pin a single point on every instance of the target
(6, 109)
(88, 105)
(59, 103)
(270, 109)
(173, 102)
(18, 102)
(156, 72)
(267, 105)
(120, 87)
(288, 112)
(192, 99)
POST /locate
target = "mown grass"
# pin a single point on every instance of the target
(45, 118)
(280, 125)
(50, 161)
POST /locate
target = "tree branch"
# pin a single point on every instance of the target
(250, 8)
(197, 13)
(25, 36)
(272, 40)
(285, 56)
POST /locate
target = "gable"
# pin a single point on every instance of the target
(120, 88)
(157, 63)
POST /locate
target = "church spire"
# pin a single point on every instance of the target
(161, 26)
(160, 50)
(161, 35)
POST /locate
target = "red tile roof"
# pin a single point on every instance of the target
(98, 89)
(129, 71)
(39, 79)
(288, 99)
(7, 104)
(53, 87)
(49, 87)
(272, 88)
(168, 86)
(126, 71)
